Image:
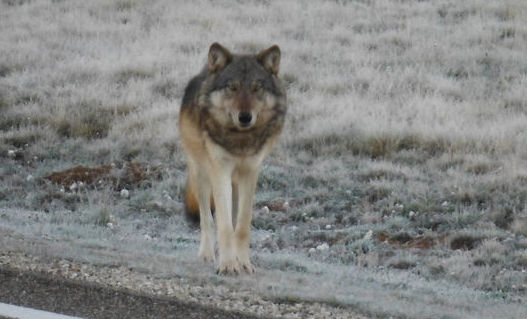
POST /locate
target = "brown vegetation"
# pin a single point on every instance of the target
(131, 174)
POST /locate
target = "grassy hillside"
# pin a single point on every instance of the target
(404, 157)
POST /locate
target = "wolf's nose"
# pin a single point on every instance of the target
(245, 118)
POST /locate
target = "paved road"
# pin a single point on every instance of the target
(37, 291)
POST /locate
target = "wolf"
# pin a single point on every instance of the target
(231, 115)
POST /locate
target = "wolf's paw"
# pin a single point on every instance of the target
(246, 266)
(206, 253)
(243, 257)
(231, 267)
(206, 256)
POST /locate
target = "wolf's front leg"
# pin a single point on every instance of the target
(242, 235)
(206, 246)
(199, 185)
(222, 194)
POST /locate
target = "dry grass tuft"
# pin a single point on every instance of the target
(465, 242)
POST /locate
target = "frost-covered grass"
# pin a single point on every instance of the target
(406, 134)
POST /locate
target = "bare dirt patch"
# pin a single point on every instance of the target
(130, 175)
(407, 241)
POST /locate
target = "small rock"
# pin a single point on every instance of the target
(265, 210)
(322, 247)
(73, 187)
(110, 225)
(147, 237)
(286, 206)
(312, 250)
(11, 153)
(368, 235)
(411, 214)
(444, 204)
(29, 178)
(328, 227)
(125, 193)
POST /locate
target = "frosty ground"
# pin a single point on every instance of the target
(403, 162)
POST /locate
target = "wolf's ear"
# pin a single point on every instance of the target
(270, 59)
(219, 57)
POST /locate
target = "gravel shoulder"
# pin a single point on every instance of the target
(32, 264)
(87, 300)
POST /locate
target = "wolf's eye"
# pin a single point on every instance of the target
(257, 87)
(233, 87)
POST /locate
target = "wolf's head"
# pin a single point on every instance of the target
(243, 91)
